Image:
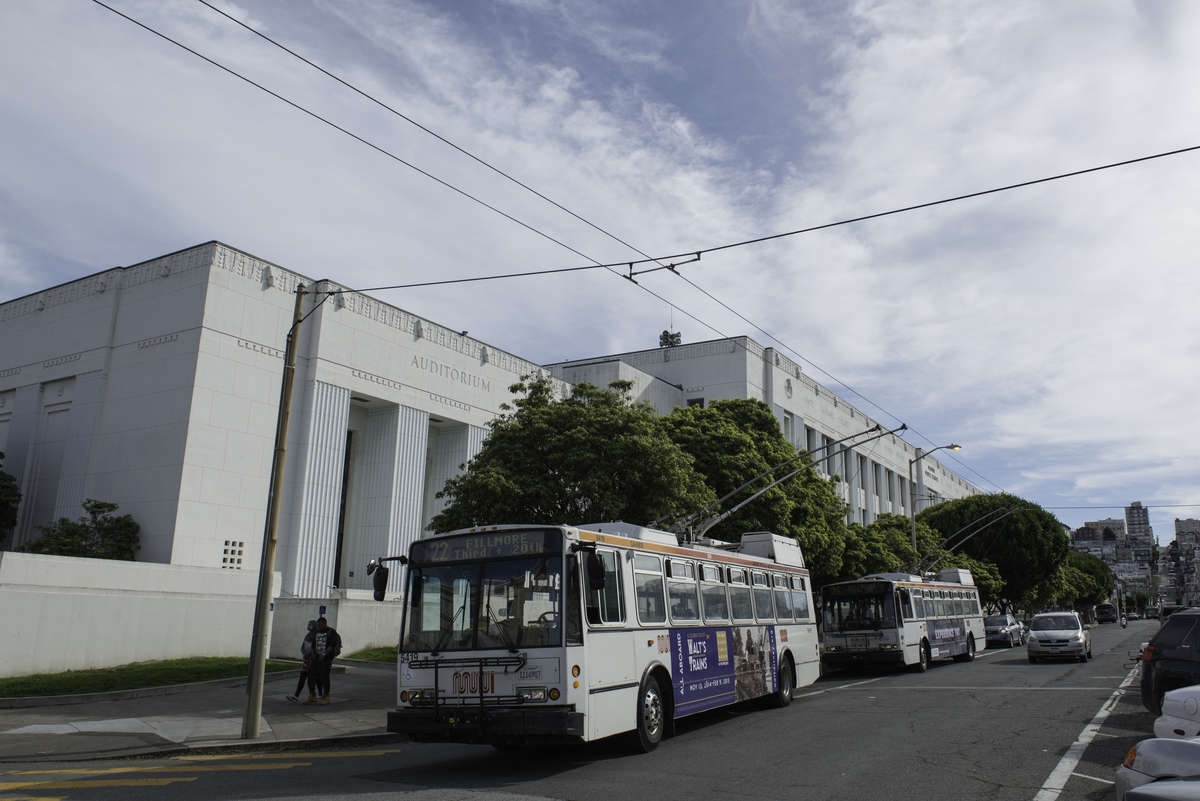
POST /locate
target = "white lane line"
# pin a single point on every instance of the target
(1093, 778)
(1058, 777)
(839, 687)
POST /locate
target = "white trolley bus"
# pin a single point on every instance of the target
(900, 619)
(530, 634)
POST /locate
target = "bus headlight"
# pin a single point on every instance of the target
(531, 693)
(832, 648)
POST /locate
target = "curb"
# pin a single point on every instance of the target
(145, 692)
(215, 749)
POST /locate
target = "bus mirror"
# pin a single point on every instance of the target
(595, 571)
(379, 580)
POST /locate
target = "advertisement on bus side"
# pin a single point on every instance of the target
(947, 637)
(712, 667)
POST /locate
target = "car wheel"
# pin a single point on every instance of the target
(1083, 657)
(1032, 659)
(651, 716)
(783, 696)
(922, 664)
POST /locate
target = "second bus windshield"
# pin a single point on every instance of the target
(860, 608)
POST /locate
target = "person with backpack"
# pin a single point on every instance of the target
(327, 644)
(308, 672)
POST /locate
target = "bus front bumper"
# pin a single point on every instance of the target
(503, 725)
(847, 659)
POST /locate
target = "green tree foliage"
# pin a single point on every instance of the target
(590, 457)
(1095, 584)
(1027, 546)
(10, 499)
(99, 535)
(731, 441)
(885, 546)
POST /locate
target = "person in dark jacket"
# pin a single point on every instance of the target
(326, 645)
(308, 672)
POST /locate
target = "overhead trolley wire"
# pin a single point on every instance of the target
(691, 256)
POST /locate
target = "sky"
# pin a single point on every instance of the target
(1052, 330)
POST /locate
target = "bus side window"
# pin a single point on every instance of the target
(739, 595)
(783, 598)
(960, 607)
(918, 605)
(906, 604)
(681, 588)
(648, 584)
(762, 598)
(607, 605)
(712, 594)
(974, 603)
(799, 598)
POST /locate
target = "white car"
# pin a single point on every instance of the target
(1151, 760)
(1180, 714)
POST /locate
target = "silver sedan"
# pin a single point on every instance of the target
(1059, 634)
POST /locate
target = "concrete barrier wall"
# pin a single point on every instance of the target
(67, 613)
(362, 623)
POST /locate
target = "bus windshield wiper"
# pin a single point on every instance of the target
(450, 631)
(512, 647)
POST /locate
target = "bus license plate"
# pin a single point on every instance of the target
(858, 642)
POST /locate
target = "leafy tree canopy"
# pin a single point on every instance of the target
(590, 457)
(730, 442)
(1096, 583)
(10, 499)
(99, 535)
(1025, 542)
(885, 546)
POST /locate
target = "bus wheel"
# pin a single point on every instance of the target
(969, 656)
(650, 716)
(922, 664)
(783, 696)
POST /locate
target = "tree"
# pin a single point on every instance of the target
(1099, 585)
(730, 442)
(1025, 542)
(10, 499)
(885, 546)
(98, 536)
(590, 457)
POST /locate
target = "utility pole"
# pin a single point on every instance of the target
(252, 720)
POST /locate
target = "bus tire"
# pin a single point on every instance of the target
(786, 684)
(969, 656)
(922, 663)
(651, 716)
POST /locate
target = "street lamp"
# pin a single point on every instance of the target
(912, 501)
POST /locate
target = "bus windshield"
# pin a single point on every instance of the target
(855, 607)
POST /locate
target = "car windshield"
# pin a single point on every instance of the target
(1055, 623)
(995, 621)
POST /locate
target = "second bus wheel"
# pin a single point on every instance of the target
(651, 716)
(783, 695)
(922, 663)
(969, 656)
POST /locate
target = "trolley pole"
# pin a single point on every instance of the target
(251, 721)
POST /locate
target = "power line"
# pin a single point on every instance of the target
(352, 135)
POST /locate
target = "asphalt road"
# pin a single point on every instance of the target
(998, 728)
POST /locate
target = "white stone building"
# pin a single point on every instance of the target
(156, 387)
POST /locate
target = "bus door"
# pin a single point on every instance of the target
(611, 676)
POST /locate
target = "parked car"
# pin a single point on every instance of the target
(1172, 658)
(1180, 717)
(1059, 634)
(1150, 760)
(1134, 616)
(1003, 629)
(1166, 790)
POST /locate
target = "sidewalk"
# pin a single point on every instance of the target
(360, 699)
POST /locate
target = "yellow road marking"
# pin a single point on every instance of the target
(284, 755)
(163, 769)
(80, 784)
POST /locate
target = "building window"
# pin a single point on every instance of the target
(232, 559)
(696, 402)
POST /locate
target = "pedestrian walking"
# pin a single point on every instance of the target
(327, 644)
(308, 673)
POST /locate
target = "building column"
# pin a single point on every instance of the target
(894, 501)
(72, 483)
(321, 459)
(409, 494)
(869, 489)
(18, 461)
